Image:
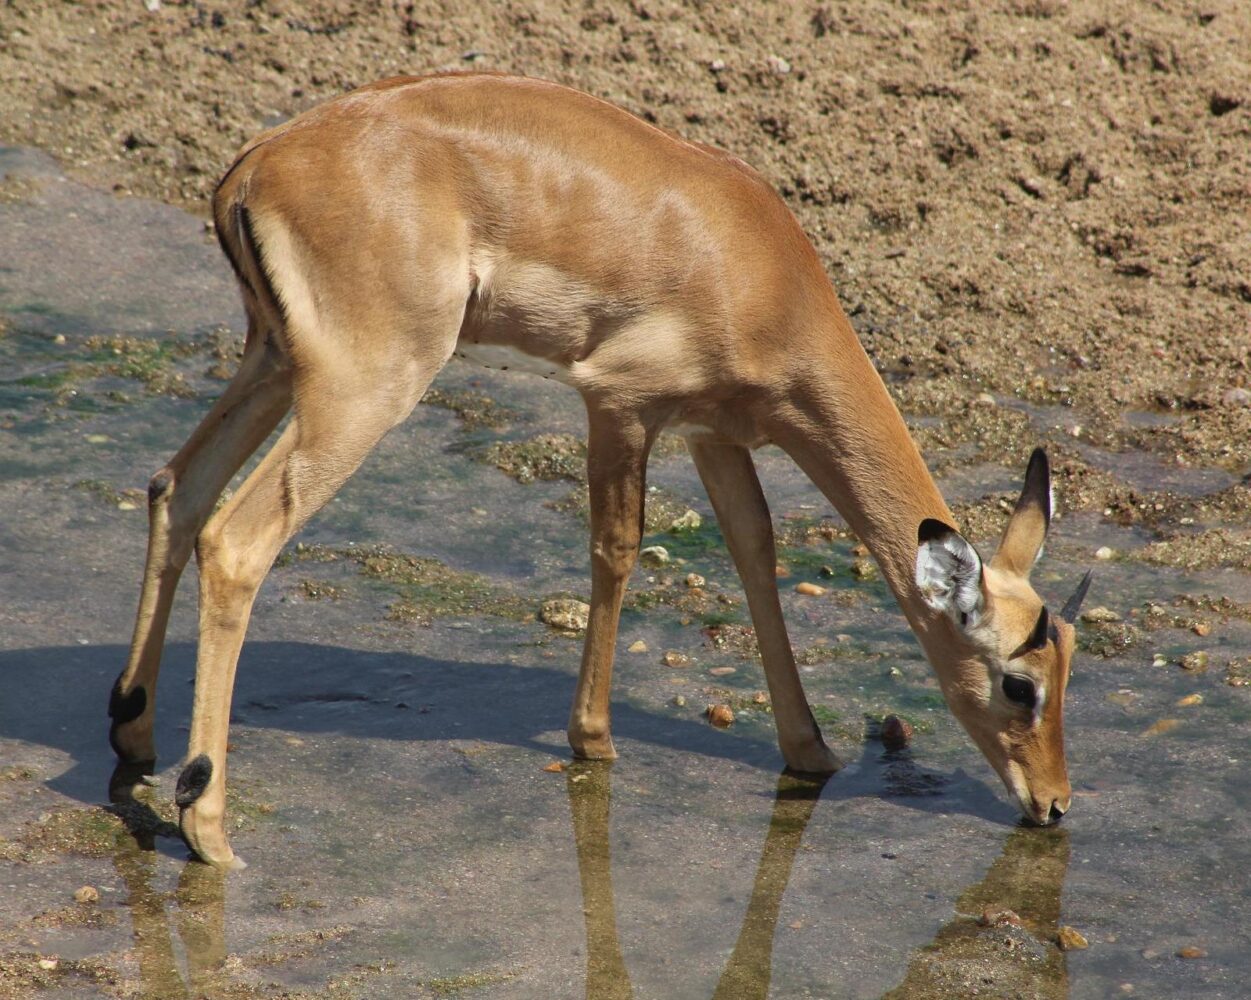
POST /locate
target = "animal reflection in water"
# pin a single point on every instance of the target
(1027, 879)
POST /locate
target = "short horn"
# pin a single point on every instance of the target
(1074, 603)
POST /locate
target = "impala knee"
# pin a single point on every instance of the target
(616, 556)
(160, 487)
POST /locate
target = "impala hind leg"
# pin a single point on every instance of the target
(339, 417)
(729, 476)
(180, 499)
(617, 448)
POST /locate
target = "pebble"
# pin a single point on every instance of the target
(562, 612)
(781, 570)
(695, 580)
(1196, 662)
(1161, 727)
(809, 589)
(1190, 699)
(555, 767)
(48, 964)
(1236, 397)
(1104, 552)
(863, 569)
(654, 555)
(690, 521)
(127, 505)
(778, 65)
(1159, 660)
(1191, 951)
(637, 646)
(998, 918)
(1201, 628)
(984, 399)
(1100, 615)
(1071, 939)
(896, 732)
(720, 715)
(87, 894)
(723, 671)
(760, 698)
(673, 658)
(679, 700)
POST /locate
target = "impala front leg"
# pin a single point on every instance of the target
(617, 447)
(729, 476)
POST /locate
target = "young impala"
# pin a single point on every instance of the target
(523, 225)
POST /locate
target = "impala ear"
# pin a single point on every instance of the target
(949, 573)
(1027, 528)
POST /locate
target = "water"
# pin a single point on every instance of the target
(389, 790)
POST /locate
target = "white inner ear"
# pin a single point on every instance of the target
(949, 577)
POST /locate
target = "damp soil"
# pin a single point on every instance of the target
(1034, 215)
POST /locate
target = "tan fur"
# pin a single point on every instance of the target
(665, 277)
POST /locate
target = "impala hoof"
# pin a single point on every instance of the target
(813, 759)
(593, 749)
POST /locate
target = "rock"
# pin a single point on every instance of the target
(679, 700)
(1201, 628)
(723, 671)
(863, 569)
(1190, 699)
(654, 555)
(984, 399)
(694, 580)
(555, 767)
(1103, 552)
(809, 589)
(637, 646)
(673, 658)
(690, 521)
(1196, 662)
(778, 66)
(1100, 616)
(48, 964)
(1159, 660)
(760, 698)
(781, 570)
(1236, 397)
(991, 917)
(1192, 951)
(87, 894)
(1071, 939)
(826, 571)
(1161, 727)
(563, 612)
(896, 732)
(720, 715)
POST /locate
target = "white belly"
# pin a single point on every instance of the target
(509, 359)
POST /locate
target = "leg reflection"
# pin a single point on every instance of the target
(750, 968)
(589, 787)
(1005, 928)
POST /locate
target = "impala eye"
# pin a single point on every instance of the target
(1020, 690)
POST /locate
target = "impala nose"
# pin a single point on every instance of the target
(1056, 813)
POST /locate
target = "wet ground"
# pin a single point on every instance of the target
(399, 701)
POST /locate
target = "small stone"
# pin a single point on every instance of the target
(679, 700)
(1104, 552)
(1236, 397)
(1159, 660)
(781, 570)
(760, 698)
(778, 66)
(694, 580)
(1190, 699)
(863, 569)
(826, 571)
(690, 521)
(1196, 662)
(896, 732)
(894, 673)
(1071, 939)
(723, 671)
(673, 658)
(796, 925)
(1191, 951)
(1201, 628)
(1161, 727)
(809, 589)
(1150, 954)
(59, 339)
(1100, 615)
(97, 439)
(48, 964)
(991, 917)
(654, 555)
(717, 65)
(720, 715)
(555, 767)
(984, 399)
(127, 505)
(565, 613)
(87, 894)
(637, 646)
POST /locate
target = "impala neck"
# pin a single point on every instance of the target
(843, 429)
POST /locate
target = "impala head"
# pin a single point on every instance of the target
(1008, 680)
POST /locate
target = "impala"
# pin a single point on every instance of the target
(522, 225)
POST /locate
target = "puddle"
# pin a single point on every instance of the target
(388, 773)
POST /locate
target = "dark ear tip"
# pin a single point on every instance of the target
(1038, 463)
(932, 529)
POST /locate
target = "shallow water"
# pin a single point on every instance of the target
(389, 792)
